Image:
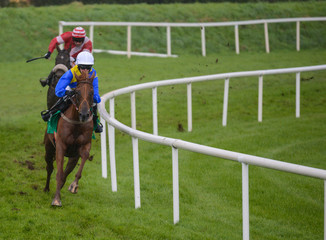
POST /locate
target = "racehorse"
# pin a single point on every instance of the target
(72, 139)
(62, 65)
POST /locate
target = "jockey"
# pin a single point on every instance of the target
(68, 82)
(76, 40)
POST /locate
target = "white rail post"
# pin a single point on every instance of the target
(266, 37)
(60, 28)
(129, 41)
(133, 109)
(298, 36)
(245, 201)
(175, 175)
(297, 95)
(260, 99)
(203, 41)
(324, 209)
(225, 101)
(136, 171)
(103, 150)
(112, 149)
(91, 33)
(189, 107)
(236, 33)
(168, 40)
(60, 32)
(154, 103)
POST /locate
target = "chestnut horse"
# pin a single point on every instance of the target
(72, 139)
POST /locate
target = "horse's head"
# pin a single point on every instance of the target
(63, 57)
(84, 95)
(57, 71)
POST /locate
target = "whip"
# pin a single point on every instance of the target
(34, 59)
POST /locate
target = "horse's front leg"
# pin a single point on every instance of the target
(60, 175)
(70, 166)
(72, 162)
(84, 153)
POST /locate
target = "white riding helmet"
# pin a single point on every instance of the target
(85, 58)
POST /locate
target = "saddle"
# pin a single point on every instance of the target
(53, 124)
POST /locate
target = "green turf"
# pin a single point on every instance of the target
(282, 205)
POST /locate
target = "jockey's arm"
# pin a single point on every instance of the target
(53, 44)
(96, 96)
(60, 89)
(63, 38)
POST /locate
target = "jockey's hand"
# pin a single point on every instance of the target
(47, 55)
(70, 93)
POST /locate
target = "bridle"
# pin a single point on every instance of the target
(63, 57)
(78, 105)
(74, 121)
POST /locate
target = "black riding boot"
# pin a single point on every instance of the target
(61, 105)
(97, 125)
(48, 80)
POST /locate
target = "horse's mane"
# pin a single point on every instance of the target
(84, 77)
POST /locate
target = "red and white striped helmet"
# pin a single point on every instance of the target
(79, 32)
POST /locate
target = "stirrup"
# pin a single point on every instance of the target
(46, 114)
(99, 128)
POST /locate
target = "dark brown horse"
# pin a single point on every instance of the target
(62, 64)
(73, 137)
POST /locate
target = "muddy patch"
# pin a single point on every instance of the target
(27, 163)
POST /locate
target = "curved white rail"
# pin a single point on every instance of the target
(176, 144)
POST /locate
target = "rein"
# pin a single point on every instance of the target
(77, 109)
(73, 102)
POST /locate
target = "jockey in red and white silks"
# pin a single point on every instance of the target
(76, 40)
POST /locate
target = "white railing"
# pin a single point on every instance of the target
(176, 144)
(202, 27)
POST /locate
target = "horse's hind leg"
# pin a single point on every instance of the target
(60, 149)
(49, 158)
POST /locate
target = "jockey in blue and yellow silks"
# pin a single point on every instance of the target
(69, 79)
(68, 82)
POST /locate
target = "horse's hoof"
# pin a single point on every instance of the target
(56, 203)
(73, 188)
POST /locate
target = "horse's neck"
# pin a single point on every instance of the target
(72, 113)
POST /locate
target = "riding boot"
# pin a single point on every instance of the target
(48, 80)
(97, 124)
(61, 105)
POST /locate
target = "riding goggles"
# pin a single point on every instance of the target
(88, 67)
(78, 39)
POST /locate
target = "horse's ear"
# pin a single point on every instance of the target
(58, 48)
(92, 77)
(69, 49)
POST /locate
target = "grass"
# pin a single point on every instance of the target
(282, 206)
(26, 32)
